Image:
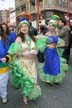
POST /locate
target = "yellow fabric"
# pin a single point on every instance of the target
(30, 65)
(4, 70)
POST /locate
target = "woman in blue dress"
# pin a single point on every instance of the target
(51, 71)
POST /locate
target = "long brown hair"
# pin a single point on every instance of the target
(7, 28)
(2, 34)
(21, 35)
(30, 33)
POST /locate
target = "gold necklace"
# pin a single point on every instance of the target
(28, 41)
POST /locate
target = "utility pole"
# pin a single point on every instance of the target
(38, 14)
(68, 13)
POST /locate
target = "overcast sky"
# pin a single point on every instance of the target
(6, 4)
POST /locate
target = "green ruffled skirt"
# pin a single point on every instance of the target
(54, 78)
(41, 44)
(21, 78)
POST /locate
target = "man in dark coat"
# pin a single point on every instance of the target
(64, 33)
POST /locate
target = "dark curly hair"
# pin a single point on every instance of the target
(43, 29)
(21, 35)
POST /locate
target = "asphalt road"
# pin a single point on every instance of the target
(57, 96)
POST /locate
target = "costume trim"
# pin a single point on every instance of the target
(4, 70)
(9, 57)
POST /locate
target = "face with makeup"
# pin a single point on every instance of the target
(24, 28)
(51, 27)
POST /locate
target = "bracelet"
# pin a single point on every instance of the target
(7, 59)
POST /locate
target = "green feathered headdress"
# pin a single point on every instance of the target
(55, 17)
(54, 20)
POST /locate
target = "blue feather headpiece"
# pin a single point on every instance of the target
(23, 20)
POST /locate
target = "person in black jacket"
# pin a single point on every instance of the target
(70, 38)
(33, 30)
(40, 55)
(64, 33)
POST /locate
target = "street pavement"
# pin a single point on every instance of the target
(57, 96)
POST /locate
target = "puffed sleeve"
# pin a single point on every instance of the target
(41, 43)
(15, 48)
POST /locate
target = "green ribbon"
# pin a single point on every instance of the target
(2, 65)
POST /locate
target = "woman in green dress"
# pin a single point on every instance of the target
(24, 71)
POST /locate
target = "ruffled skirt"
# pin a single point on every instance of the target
(24, 78)
(54, 68)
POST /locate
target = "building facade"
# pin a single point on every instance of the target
(4, 16)
(47, 7)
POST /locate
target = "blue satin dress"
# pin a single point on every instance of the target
(52, 60)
